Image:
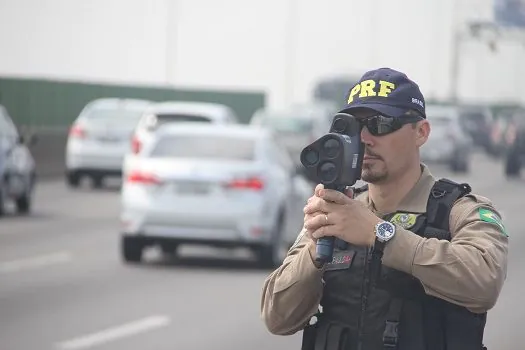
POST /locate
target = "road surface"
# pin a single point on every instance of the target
(63, 286)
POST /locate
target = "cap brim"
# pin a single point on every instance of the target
(380, 108)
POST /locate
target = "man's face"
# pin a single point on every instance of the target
(388, 156)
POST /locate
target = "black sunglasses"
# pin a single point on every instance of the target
(380, 125)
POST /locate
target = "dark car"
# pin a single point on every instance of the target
(515, 140)
(17, 166)
(477, 122)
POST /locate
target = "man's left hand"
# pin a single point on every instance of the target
(340, 216)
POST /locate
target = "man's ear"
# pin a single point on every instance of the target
(422, 132)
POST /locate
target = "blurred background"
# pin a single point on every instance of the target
(149, 153)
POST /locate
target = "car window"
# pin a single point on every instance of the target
(209, 146)
(7, 128)
(120, 116)
(286, 124)
(278, 155)
(174, 117)
(440, 121)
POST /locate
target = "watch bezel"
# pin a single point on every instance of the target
(390, 234)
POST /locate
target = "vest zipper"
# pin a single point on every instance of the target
(365, 291)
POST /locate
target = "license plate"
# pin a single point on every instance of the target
(109, 139)
(194, 188)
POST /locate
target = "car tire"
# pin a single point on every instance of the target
(23, 204)
(73, 179)
(169, 249)
(512, 164)
(97, 181)
(2, 203)
(459, 165)
(462, 167)
(131, 249)
(271, 256)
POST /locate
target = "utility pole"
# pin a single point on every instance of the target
(172, 16)
(290, 49)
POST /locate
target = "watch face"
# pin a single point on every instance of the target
(385, 231)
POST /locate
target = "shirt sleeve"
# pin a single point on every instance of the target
(470, 269)
(292, 293)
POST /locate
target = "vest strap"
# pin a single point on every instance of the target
(391, 333)
(440, 202)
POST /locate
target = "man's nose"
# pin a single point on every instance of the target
(366, 137)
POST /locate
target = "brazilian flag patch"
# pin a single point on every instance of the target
(491, 217)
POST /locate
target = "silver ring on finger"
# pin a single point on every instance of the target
(326, 218)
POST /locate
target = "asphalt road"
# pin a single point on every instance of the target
(62, 285)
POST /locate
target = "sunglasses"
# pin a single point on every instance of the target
(380, 125)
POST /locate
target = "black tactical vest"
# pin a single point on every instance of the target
(396, 313)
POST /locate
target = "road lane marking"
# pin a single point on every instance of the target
(111, 334)
(35, 262)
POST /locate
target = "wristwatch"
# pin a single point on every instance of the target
(384, 232)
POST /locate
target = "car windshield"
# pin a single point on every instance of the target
(440, 121)
(209, 146)
(175, 117)
(4, 125)
(120, 116)
(287, 124)
(473, 116)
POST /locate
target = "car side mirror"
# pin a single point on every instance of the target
(31, 140)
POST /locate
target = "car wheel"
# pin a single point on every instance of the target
(131, 249)
(2, 203)
(459, 166)
(169, 249)
(97, 181)
(73, 179)
(271, 256)
(512, 164)
(23, 204)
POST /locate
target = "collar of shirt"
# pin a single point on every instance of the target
(416, 199)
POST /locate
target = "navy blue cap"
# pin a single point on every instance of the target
(386, 91)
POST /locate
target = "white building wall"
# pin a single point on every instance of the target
(281, 46)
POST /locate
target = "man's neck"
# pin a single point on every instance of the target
(387, 196)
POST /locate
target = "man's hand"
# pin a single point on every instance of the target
(332, 213)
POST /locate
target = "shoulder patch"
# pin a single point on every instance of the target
(404, 220)
(489, 216)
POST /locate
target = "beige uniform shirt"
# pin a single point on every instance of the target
(468, 271)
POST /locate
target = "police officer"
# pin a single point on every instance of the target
(418, 261)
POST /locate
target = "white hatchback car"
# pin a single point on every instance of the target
(169, 112)
(216, 185)
(100, 137)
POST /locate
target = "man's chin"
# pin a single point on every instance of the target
(373, 177)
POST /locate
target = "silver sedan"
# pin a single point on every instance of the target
(99, 139)
(216, 185)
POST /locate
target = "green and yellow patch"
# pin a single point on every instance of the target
(489, 216)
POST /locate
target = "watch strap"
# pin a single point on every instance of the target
(376, 260)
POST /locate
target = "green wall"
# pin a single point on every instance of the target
(47, 103)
